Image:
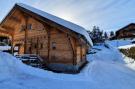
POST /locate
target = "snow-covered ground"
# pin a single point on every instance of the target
(106, 70)
(121, 42)
(126, 46)
(129, 61)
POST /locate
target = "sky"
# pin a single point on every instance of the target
(109, 15)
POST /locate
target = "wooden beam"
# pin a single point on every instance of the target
(75, 52)
(37, 49)
(49, 40)
(31, 46)
(26, 35)
(72, 48)
(12, 45)
(81, 52)
(48, 28)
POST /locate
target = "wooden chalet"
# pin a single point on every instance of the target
(61, 44)
(126, 32)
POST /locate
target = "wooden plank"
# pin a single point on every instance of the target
(5, 31)
(11, 29)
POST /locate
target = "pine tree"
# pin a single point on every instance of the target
(105, 35)
(112, 34)
(96, 35)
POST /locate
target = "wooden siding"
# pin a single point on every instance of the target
(63, 51)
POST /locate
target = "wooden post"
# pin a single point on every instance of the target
(49, 37)
(25, 42)
(81, 52)
(37, 43)
(48, 28)
(12, 45)
(31, 46)
(19, 49)
(73, 52)
(26, 35)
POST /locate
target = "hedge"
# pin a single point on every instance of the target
(130, 52)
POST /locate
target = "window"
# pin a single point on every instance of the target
(29, 26)
(53, 45)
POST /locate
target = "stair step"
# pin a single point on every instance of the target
(32, 60)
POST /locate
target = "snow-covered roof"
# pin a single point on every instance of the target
(76, 28)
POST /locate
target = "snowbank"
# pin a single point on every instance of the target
(8, 64)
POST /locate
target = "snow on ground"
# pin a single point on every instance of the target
(121, 42)
(105, 70)
(129, 62)
(126, 46)
(107, 54)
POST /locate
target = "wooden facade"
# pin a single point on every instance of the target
(126, 32)
(60, 48)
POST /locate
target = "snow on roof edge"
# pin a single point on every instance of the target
(70, 25)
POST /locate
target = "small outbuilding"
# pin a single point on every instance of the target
(61, 44)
